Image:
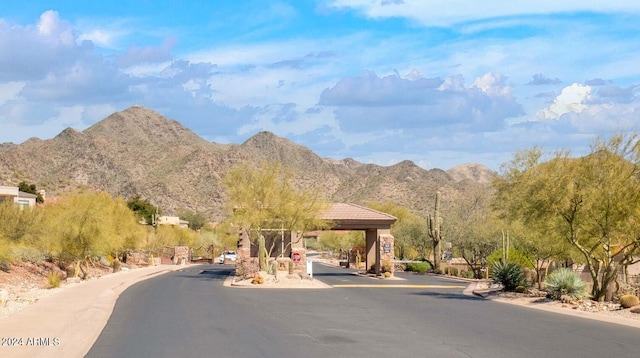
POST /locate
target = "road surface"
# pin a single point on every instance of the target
(189, 313)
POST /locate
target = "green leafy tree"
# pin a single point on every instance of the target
(143, 209)
(170, 236)
(85, 225)
(196, 219)
(227, 235)
(539, 248)
(31, 189)
(472, 230)
(409, 231)
(592, 202)
(20, 225)
(263, 198)
(331, 240)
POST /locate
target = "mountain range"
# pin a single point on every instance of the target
(139, 152)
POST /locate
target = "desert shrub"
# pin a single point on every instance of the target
(27, 254)
(54, 279)
(386, 266)
(312, 244)
(565, 282)
(400, 266)
(5, 254)
(410, 253)
(453, 271)
(258, 280)
(628, 301)
(387, 274)
(509, 275)
(420, 267)
(466, 274)
(521, 289)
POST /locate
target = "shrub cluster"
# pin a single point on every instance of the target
(54, 279)
(419, 267)
(509, 275)
(257, 280)
(564, 281)
(386, 266)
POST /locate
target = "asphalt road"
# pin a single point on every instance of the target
(189, 313)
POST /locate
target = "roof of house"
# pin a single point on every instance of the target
(354, 212)
(347, 215)
(22, 194)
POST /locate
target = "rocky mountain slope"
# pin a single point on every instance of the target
(138, 151)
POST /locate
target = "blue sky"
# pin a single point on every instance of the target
(437, 82)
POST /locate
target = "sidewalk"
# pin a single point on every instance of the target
(67, 323)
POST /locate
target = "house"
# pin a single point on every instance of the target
(12, 194)
(173, 221)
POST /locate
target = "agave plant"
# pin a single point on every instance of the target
(565, 282)
(510, 275)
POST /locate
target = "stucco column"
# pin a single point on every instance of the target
(371, 236)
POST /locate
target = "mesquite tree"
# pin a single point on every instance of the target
(263, 199)
(591, 202)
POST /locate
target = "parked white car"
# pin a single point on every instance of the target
(227, 255)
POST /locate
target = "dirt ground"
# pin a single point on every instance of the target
(25, 283)
(605, 311)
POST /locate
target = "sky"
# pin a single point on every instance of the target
(438, 82)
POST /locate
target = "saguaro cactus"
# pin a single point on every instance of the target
(434, 224)
(262, 254)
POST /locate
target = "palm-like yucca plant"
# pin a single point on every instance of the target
(564, 281)
(510, 275)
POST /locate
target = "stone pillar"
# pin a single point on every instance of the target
(243, 255)
(387, 253)
(298, 253)
(181, 255)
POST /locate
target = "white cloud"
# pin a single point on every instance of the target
(493, 84)
(50, 25)
(99, 37)
(424, 104)
(10, 90)
(313, 90)
(572, 99)
(447, 12)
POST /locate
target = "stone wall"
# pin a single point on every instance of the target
(181, 255)
(137, 258)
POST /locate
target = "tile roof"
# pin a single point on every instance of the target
(353, 212)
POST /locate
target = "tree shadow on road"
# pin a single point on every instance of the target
(333, 274)
(448, 296)
(209, 274)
